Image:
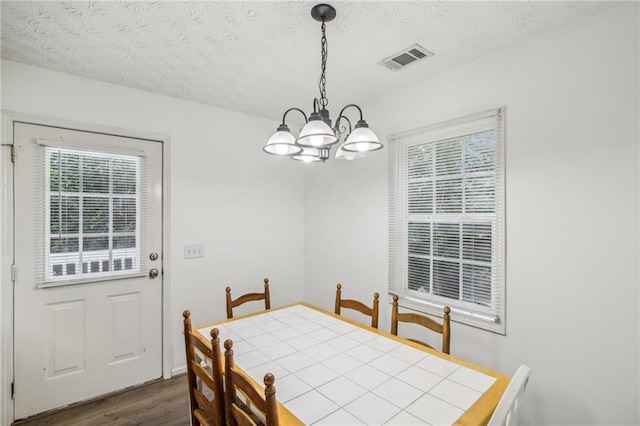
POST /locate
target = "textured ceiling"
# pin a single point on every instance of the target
(263, 57)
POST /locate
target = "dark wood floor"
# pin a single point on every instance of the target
(165, 402)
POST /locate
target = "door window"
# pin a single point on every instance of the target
(93, 204)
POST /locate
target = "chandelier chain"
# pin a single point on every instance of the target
(323, 79)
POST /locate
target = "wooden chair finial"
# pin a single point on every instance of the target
(269, 380)
(338, 299)
(214, 333)
(228, 344)
(446, 330)
(375, 310)
(186, 314)
(228, 290)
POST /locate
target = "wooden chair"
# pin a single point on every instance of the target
(203, 409)
(237, 412)
(444, 328)
(249, 297)
(507, 411)
(358, 306)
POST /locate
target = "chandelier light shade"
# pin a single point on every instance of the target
(317, 136)
(341, 154)
(362, 139)
(308, 155)
(282, 142)
(316, 133)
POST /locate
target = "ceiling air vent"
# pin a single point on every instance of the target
(406, 57)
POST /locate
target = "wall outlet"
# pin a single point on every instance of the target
(192, 251)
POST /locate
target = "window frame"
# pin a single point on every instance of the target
(491, 318)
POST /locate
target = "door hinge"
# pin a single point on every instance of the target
(13, 390)
(13, 272)
(13, 151)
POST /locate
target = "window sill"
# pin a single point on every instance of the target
(459, 315)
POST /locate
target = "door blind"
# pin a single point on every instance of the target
(91, 203)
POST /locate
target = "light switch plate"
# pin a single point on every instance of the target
(192, 251)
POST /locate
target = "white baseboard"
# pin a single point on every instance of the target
(178, 370)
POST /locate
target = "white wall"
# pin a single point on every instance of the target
(225, 193)
(572, 186)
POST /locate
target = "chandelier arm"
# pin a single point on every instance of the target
(341, 130)
(341, 115)
(316, 105)
(294, 109)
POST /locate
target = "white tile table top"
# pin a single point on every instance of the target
(331, 372)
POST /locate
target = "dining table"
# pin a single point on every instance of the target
(333, 370)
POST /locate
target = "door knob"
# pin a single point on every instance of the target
(153, 273)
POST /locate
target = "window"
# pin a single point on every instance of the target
(91, 216)
(447, 219)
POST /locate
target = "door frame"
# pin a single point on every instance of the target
(7, 242)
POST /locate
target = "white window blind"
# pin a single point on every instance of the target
(92, 204)
(447, 219)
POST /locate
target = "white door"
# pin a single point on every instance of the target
(88, 233)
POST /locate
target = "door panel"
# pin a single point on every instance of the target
(94, 325)
(126, 339)
(67, 338)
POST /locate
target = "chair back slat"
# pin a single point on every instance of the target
(421, 320)
(204, 375)
(249, 297)
(409, 317)
(204, 402)
(372, 311)
(241, 417)
(264, 401)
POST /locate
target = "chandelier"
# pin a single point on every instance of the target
(318, 135)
